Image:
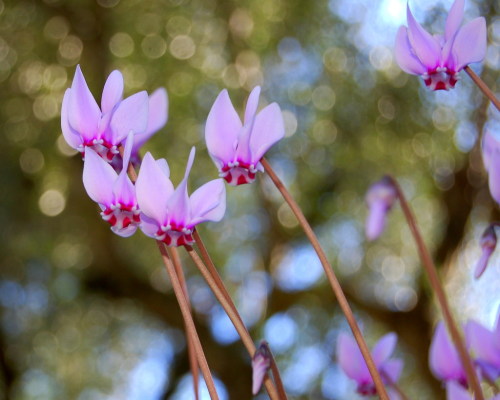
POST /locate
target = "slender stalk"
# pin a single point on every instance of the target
(332, 279)
(233, 315)
(437, 287)
(276, 373)
(193, 360)
(188, 319)
(395, 386)
(483, 87)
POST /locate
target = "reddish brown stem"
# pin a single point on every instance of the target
(332, 279)
(188, 320)
(437, 287)
(483, 87)
(232, 314)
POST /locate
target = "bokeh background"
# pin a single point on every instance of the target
(87, 315)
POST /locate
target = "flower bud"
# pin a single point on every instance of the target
(380, 198)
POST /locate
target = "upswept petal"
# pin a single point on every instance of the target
(157, 117)
(454, 19)
(351, 360)
(268, 128)
(404, 55)
(163, 165)
(153, 189)
(470, 43)
(127, 150)
(178, 205)
(375, 222)
(208, 202)
(243, 151)
(98, 178)
(72, 138)
(131, 115)
(83, 112)
(454, 391)
(443, 359)
(392, 369)
(426, 48)
(222, 128)
(481, 341)
(252, 104)
(384, 348)
(112, 92)
(123, 188)
(482, 263)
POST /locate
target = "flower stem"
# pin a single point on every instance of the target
(188, 320)
(483, 87)
(232, 314)
(332, 279)
(276, 372)
(193, 360)
(437, 287)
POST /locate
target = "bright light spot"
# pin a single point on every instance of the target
(31, 161)
(52, 203)
(221, 326)
(182, 47)
(121, 44)
(299, 270)
(281, 332)
(184, 390)
(290, 123)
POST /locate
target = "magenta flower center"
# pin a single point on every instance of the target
(366, 389)
(238, 173)
(121, 216)
(175, 235)
(441, 79)
(106, 150)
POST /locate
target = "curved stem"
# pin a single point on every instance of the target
(276, 372)
(437, 287)
(332, 279)
(483, 87)
(188, 319)
(232, 314)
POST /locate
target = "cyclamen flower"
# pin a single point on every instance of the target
(237, 148)
(486, 347)
(457, 392)
(380, 198)
(488, 244)
(491, 160)
(115, 193)
(439, 58)
(170, 215)
(353, 364)
(261, 363)
(444, 361)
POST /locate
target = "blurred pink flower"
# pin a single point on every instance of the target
(439, 58)
(380, 198)
(353, 364)
(485, 345)
(456, 392)
(237, 148)
(491, 160)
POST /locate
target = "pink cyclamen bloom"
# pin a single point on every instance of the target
(439, 58)
(115, 193)
(491, 160)
(457, 392)
(237, 148)
(485, 345)
(488, 244)
(84, 124)
(261, 362)
(380, 198)
(353, 364)
(170, 215)
(444, 361)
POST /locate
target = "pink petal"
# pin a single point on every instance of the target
(252, 104)
(268, 128)
(124, 190)
(153, 190)
(454, 391)
(149, 226)
(128, 150)
(375, 222)
(392, 370)
(157, 117)
(112, 92)
(404, 55)
(482, 343)
(83, 112)
(384, 348)
(494, 176)
(208, 202)
(131, 115)
(179, 207)
(454, 19)
(444, 361)
(350, 359)
(98, 178)
(72, 138)
(470, 43)
(261, 362)
(221, 130)
(483, 262)
(426, 48)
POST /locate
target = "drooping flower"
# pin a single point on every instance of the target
(261, 362)
(491, 160)
(115, 193)
(485, 345)
(380, 198)
(456, 392)
(488, 244)
(444, 360)
(439, 58)
(103, 129)
(353, 364)
(170, 215)
(237, 148)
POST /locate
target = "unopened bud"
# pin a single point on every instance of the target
(261, 363)
(380, 198)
